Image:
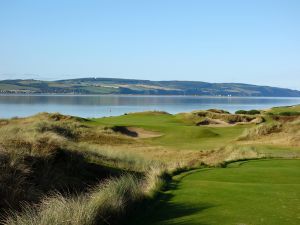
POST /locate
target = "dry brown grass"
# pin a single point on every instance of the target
(280, 132)
(213, 117)
(47, 152)
(105, 204)
(261, 131)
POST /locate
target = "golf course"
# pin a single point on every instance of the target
(205, 167)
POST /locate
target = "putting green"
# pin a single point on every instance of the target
(260, 192)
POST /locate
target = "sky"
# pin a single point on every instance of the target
(255, 41)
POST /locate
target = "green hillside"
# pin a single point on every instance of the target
(141, 87)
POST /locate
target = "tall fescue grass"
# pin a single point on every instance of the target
(25, 158)
(280, 132)
(198, 116)
(221, 157)
(40, 156)
(105, 204)
(260, 131)
(116, 158)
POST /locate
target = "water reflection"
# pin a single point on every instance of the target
(107, 105)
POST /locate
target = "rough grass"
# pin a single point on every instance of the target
(196, 117)
(105, 204)
(110, 198)
(39, 157)
(113, 158)
(279, 132)
(62, 154)
(260, 131)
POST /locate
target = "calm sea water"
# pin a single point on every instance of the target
(99, 106)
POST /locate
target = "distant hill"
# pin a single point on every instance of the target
(141, 87)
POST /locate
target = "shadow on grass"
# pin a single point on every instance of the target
(33, 177)
(124, 130)
(163, 211)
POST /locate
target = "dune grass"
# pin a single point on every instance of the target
(106, 203)
(49, 162)
(111, 198)
(52, 152)
(264, 192)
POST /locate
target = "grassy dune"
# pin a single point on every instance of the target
(55, 163)
(58, 169)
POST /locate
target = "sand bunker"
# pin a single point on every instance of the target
(136, 132)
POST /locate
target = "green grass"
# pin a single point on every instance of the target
(278, 110)
(275, 151)
(176, 133)
(7, 87)
(264, 192)
(100, 90)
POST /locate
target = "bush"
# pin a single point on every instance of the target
(253, 112)
(241, 112)
(289, 113)
(250, 112)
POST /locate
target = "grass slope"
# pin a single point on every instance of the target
(285, 110)
(264, 192)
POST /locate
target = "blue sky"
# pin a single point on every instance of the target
(216, 41)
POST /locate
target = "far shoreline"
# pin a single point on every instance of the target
(137, 95)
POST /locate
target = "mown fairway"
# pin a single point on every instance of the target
(261, 192)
